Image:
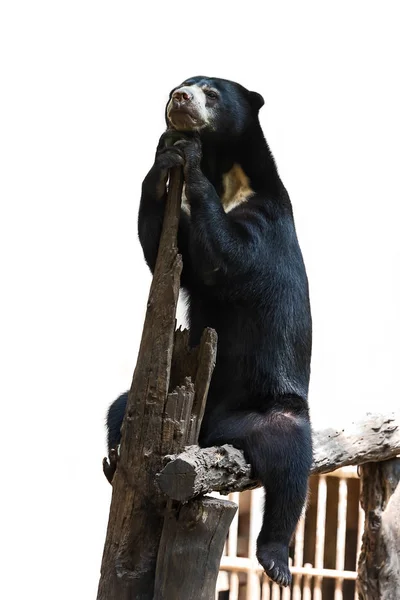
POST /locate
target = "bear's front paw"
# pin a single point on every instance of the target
(191, 150)
(169, 138)
(154, 184)
(169, 158)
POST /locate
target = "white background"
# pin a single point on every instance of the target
(83, 89)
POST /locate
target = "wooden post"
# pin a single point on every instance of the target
(379, 563)
(190, 551)
(193, 534)
(135, 521)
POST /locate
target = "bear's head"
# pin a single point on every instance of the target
(209, 105)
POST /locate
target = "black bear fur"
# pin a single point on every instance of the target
(244, 276)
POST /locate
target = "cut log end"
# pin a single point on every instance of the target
(177, 480)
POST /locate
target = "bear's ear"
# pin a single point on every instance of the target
(257, 101)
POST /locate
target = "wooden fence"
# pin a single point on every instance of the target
(325, 550)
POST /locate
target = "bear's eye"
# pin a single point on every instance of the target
(211, 94)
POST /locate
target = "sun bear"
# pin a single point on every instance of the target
(244, 276)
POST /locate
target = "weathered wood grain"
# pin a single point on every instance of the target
(379, 562)
(136, 519)
(190, 549)
(373, 437)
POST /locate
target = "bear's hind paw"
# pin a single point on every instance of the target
(272, 558)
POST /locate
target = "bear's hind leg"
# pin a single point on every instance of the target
(278, 446)
(282, 460)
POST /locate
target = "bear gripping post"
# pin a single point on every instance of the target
(165, 407)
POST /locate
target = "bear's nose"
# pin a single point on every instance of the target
(182, 96)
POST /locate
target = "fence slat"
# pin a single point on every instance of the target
(266, 589)
(298, 558)
(341, 536)
(361, 520)
(232, 548)
(276, 592)
(307, 584)
(256, 513)
(286, 593)
(320, 535)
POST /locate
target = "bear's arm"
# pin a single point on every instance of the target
(150, 222)
(230, 243)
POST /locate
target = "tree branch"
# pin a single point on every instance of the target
(375, 437)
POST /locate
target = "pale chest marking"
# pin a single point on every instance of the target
(236, 186)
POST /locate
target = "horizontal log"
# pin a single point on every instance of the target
(372, 438)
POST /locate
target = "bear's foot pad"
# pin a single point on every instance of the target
(273, 559)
